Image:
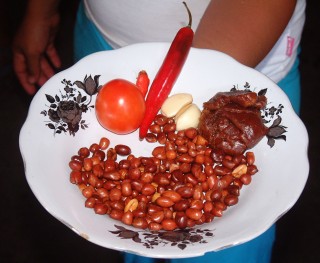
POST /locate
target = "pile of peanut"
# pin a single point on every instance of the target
(184, 183)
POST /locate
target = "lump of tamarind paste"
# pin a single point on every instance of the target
(232, 122)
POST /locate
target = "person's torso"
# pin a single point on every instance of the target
(125, 22)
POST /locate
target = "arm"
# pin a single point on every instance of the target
(34, 53)
(244, 29)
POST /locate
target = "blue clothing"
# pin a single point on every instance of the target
(292, 87)
(88, 40)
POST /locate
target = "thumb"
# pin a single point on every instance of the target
(33, 67)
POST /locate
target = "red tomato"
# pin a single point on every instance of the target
(120, 106)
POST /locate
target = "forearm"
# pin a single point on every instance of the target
(244, 29)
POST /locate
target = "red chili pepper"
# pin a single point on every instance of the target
(143, 82)
(167, 74)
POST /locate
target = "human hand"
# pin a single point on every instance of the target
(34, 54)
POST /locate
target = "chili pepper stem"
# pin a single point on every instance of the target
(189, 14)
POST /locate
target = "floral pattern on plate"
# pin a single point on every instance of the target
(66, 109)
(180, 238)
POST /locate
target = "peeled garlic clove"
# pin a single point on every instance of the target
(173, 104)
(188, 117)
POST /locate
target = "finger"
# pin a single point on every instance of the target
(33, 67)
(42, 79)
(53, 56)
(46, 70)
(20, 68)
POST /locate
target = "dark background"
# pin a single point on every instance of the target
(30, 234)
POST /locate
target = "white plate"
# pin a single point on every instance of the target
(283, 169)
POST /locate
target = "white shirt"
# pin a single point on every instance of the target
(123, 22)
